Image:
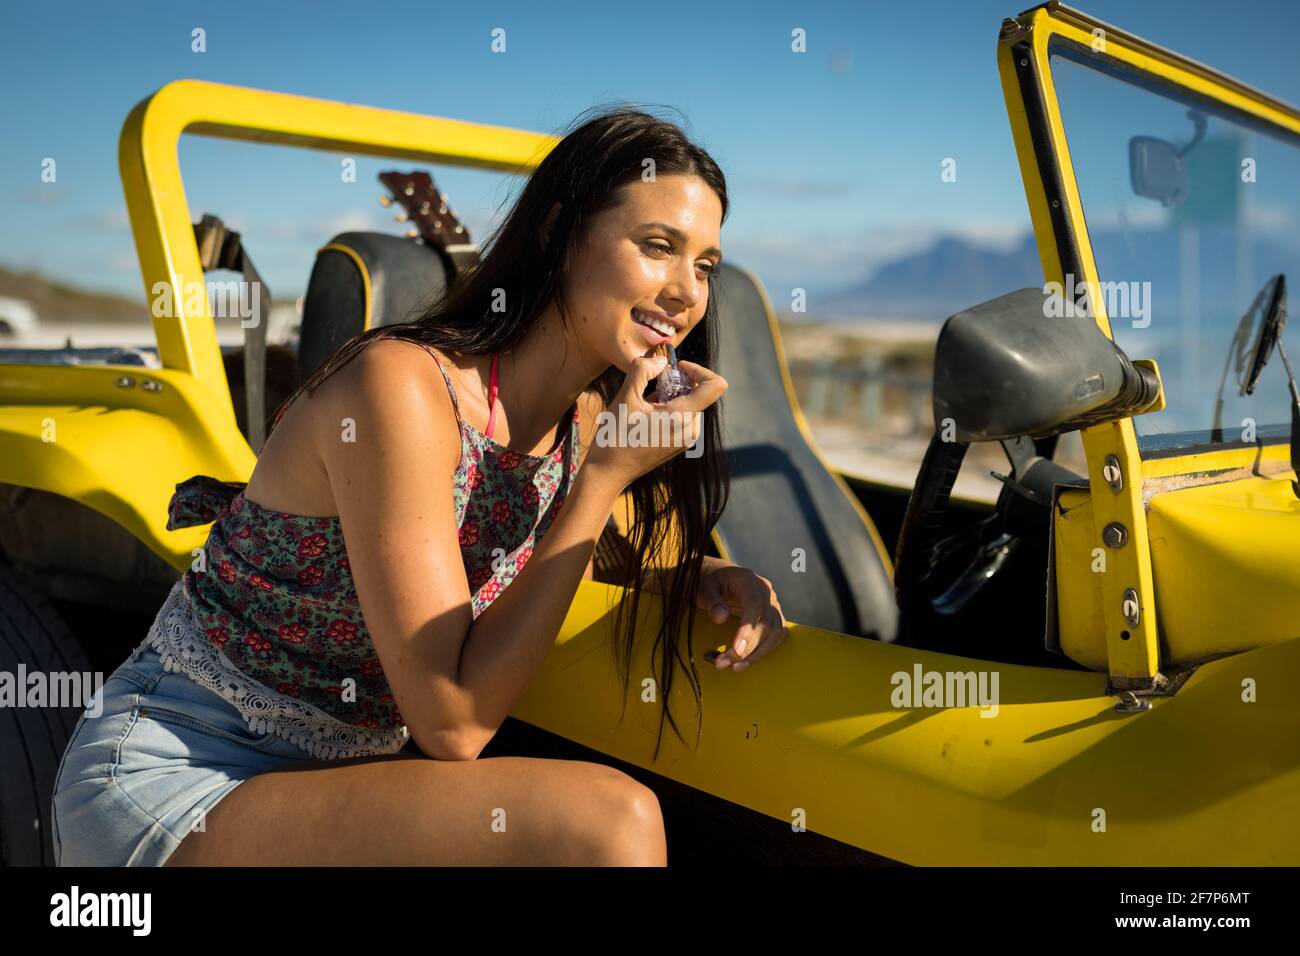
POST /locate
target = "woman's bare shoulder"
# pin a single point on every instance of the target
(403, 352)
(393, 384)
(401, 363)
(385, 394)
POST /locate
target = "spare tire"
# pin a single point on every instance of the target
(32, 739)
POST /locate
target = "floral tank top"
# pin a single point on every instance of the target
(267, 615)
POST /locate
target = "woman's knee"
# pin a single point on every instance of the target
(631, 824)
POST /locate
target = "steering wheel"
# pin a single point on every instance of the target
(938, 576)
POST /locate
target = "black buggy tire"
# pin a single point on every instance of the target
(32, 739)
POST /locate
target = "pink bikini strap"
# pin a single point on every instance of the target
(492, 399)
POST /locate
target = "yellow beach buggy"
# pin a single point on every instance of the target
(1094, 670)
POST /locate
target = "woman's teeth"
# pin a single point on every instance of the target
(663, 328)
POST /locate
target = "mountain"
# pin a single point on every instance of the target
(59, 302)
(950, 275)
(954, 274)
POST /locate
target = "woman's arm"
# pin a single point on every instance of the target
(657, 577)
(508, 643)
(506, 646)
(726, 589)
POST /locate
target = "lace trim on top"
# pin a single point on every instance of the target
(184, 649)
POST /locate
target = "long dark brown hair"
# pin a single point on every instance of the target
(677, 503)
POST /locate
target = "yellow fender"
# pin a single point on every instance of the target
(1055, 777)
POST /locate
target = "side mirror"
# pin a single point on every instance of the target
(1005, 368)
(1157, 171)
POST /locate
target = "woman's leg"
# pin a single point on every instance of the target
(409, 810)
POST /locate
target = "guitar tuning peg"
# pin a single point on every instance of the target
(412, 233)
(409, 190)
(424, 208)
(401, 217)
(385, 201)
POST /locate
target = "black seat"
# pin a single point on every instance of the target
(783, 495)
(362, 280)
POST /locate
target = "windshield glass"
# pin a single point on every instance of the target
(1188, 224)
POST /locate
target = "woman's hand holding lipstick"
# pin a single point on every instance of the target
(625, 459)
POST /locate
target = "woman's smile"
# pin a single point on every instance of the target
(653, 329)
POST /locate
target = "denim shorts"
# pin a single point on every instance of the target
(137, 779)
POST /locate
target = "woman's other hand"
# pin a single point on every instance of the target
(729, 589)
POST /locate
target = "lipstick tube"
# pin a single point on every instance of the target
(672, 381)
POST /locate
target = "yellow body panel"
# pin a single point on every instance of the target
(1080, 558)
(83, 432)
(1224, 558)
(1211, 465)
(814, 729)
(1227, 562)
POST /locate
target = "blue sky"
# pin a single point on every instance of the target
(832, 157)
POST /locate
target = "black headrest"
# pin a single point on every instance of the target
(362, 280)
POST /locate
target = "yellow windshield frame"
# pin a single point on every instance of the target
(1057, 214)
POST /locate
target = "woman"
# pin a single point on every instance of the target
(264, 718)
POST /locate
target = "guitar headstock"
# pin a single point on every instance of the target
(425, 206)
